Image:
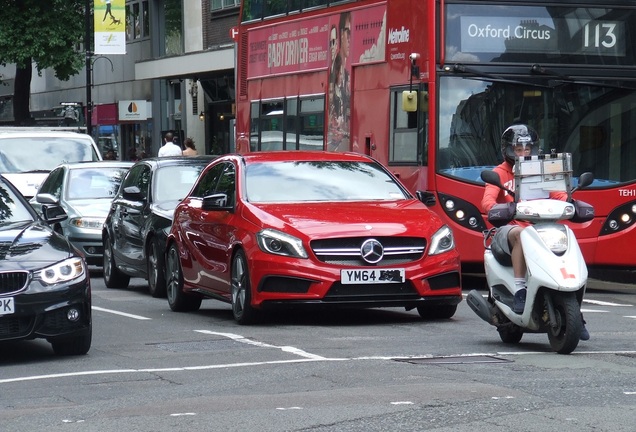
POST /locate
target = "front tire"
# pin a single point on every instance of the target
(437, 312)
(78, 345)
(564, 337)
(156, 277)
(113, 277)
(242, 308)
(177, 299)
(510, 333)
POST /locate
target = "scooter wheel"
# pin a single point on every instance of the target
(510, 334)
(564, 337)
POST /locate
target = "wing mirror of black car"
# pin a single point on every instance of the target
(216, 202)
(133, 193)
(46, 198)
(53, 213)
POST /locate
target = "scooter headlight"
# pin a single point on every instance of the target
(555, 238)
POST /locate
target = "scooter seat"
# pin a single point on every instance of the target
(500, 255)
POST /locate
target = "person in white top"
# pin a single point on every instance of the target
(169, 148)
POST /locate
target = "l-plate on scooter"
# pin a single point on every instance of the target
(556, 271)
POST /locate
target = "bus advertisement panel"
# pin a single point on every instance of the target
(429, 92)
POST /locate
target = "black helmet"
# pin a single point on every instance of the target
(518, 135)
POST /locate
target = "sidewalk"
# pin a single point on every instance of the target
(596, 284)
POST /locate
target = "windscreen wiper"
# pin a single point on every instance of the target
(461, 69)
(565, 79)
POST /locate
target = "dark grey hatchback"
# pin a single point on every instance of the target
(45, 288)
(136, 228)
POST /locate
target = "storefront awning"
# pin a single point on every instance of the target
(188, 65)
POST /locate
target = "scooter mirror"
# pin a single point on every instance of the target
(491, 177)
(585, 180)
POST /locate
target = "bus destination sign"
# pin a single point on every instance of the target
(488, 34)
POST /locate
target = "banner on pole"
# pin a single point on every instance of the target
(109, 22)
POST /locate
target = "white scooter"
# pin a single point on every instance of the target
(556, 275)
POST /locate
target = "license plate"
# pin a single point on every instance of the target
(374, 276)
(7, 306)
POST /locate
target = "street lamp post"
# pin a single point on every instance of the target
(89, 65)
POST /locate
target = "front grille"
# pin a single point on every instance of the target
(14, 327)
(371, 293)
(346, 251)
(284, 285)
(444, 281)
(13, 281)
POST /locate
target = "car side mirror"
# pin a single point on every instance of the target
(133, 193)
(216, 202)
(46, 198)
(53, 213)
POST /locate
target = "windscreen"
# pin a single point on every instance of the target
(94, 183)
(320, 181)
(33, 154)
(172, 183)
(592, 122)
(11, 208)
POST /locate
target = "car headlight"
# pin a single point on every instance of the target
(279, 243)
(555, 238)
(65, 271)
(87, 222)
(442, 241)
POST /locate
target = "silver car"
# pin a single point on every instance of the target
(85, 191)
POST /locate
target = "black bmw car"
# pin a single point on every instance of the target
(134, 234)
(45, 287)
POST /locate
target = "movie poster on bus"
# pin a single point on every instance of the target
(289, 48)
(109, 21)
(355, 37)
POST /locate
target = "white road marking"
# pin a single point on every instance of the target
(603, 303)
(402, 403)
(290, 408)
(137, 317)
(183, 414)
(239, 338)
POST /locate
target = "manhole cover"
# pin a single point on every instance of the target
(455, 360)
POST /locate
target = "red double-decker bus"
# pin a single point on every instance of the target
(428, 86)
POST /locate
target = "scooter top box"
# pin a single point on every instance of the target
(538, 175)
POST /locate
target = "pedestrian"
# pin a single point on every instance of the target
(169, 148)
(517, 140)
(190, 149)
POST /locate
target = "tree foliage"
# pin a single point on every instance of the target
(47, 33)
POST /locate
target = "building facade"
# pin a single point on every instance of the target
(177, 75)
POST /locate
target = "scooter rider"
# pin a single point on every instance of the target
(517, 140)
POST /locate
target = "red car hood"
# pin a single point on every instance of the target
(319, 220)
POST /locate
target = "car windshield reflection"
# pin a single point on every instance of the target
(172, 183)
(11, 209)
(320, 181)
(94, 183)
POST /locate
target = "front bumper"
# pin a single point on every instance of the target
(434, 280)
(46, 314)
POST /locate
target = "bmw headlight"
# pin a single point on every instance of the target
(279, 243)
(555, 238)
(87, 222)
(442, 241)
(65, 271)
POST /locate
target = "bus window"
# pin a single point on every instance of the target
(406, 131)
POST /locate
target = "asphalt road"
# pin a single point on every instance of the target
(151, 369)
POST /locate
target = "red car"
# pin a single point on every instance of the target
(294, 228)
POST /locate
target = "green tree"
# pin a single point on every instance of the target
(46, 33)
